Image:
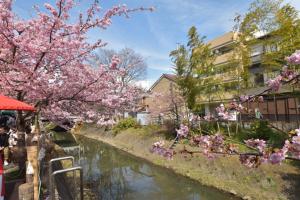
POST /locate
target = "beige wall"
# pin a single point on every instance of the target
(161, 104)
(162, 87)
(223, 39)
(224, 58)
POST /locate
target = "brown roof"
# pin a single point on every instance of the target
(171, 77)
(222, 40)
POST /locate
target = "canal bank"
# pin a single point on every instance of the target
(110, 173)
(225, 173)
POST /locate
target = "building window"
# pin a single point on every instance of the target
(222, 50)
(256, 50)
(271, 48)
(259, 79)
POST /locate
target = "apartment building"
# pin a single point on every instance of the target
(281, 106)
(223, 48)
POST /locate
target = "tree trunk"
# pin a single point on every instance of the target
(200, 127)
(20, 118)
(20, 121)
(37, 124)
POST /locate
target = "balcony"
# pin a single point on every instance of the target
(220, 59)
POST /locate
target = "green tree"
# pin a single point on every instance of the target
(273, 25)
(194, 65)
(285, 40)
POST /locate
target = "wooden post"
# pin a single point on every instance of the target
(200, 127)
(276, 108)
(37, 120)
(248, 112)
(296, 108)
(268, 108)
(228, 129)
(32, 157)
(37, 124)
(286, 109)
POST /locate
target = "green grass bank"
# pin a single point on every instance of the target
(224, 173)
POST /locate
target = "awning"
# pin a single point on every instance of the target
(7, 103)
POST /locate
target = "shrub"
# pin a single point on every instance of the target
(124, 124)
(260, 130)
(170, 129)
(209, 128)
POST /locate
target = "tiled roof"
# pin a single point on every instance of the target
(171, 77)
(223, 39)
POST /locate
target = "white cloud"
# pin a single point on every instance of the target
(158, 60)
(146, 84)
(295, 3)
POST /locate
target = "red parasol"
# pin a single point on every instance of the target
(7, 103)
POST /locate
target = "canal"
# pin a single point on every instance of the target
(110, 173)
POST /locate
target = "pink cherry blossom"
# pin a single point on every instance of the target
(275, 83)
(208, 117)
(244, 98)
(183, 131)
(210, 144)
(287, 74)
(257, 143)
(293, 147)
(158, 148)
(260, 99)
(222, 113)
(294, 58)
(277, 157)
(250, 161)
(159, 144)
(43, 61)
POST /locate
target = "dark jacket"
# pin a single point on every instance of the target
(4, 140)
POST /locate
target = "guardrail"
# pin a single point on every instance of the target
(74, 169)
(52, 175)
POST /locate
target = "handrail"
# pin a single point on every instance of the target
(68, 170)
(51, 180)
(62, 158)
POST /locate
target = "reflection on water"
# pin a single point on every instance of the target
(113, 174)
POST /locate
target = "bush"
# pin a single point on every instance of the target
(124, 124)
(170, 129)
(209, 128)
(260, 130)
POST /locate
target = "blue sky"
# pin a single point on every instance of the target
(155, 34)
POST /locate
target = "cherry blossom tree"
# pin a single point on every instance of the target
(43, 61)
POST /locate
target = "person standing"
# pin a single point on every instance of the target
(2, 184)
(258, 114)
(4, 144)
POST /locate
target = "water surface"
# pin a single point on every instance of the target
(114, 174)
